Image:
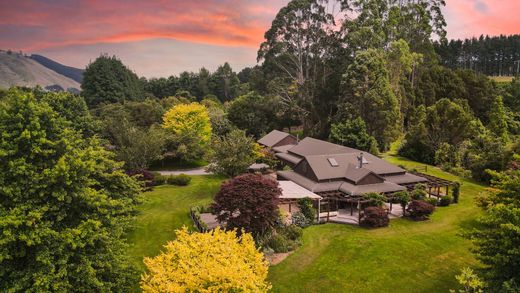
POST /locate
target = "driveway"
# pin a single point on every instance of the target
(195, 171)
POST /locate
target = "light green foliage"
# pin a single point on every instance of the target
(403, 198)
(353, 133)
(484, 151)
(232, 153)
(498, 120)
(139, 147)
(469, 281)
(375, 199)
(65, 204)
(108, 80)
(366, 86)
(189, 128)
(497, 238)
(254, 113)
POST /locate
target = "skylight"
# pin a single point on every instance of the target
(333, 162)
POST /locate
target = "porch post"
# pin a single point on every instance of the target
(319, 208)
(447, 189)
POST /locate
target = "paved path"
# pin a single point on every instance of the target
(196, 171)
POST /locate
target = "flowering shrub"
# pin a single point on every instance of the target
(194, 262)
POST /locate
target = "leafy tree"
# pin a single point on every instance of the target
(295, 50)
(217, 261)
(254, 113)
(444, 122)
(353, 133)
(138, 147)
(498, 120)
(108, 80)
(225, 83)
(403, 198)
(65, 204)
(375, 199)
(232, 154)
(366, 86)
(248, 202)
(497, 236)
(485, 151)
(190, 127)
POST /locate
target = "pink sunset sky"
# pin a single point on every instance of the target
(159, 38)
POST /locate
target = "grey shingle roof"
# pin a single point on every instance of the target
(406, 178)
(310, 146)
(288, 157)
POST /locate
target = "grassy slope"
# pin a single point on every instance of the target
(405, 257)
(164, 210)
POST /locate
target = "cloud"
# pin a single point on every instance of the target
(472, 18)
(63, 22)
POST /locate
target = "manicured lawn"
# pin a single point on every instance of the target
(164, 210)
(405, 257)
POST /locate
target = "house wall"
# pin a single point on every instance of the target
(287, 140)
(304, 169)
(370, 179)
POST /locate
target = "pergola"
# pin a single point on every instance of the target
(434, 185)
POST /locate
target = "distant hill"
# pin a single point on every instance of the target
(19, 70)
(70, 72)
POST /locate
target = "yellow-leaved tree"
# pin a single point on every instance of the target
(191, 129)
(217, 261)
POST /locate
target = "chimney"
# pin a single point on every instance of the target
(360, 160)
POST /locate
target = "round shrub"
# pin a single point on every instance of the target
(374, 217)
(419, 210)
(180, 180)
(292, 232)
(456, 192)
(300, 220)
(305, 205)
(445, 201)
(431, 200)
(278, 243)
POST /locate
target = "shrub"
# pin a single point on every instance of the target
(420, 210)
(248, 201)
(445, 201)
(375, 199)
(292, 232)
(375, 217)
(403, 198)
(419, 192)
(278, 243)
(300, 220)
(144, 176)
(180, 180)
(431, 200)
(456, 192)
(305, 205)
(159, 179)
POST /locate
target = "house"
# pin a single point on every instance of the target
(341, 175)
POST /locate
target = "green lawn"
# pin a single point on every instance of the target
(405, 257)
(164, 210)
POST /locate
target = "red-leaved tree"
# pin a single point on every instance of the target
(248, 202)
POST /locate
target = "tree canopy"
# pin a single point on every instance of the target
(65, 204)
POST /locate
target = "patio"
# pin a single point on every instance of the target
(344, 216)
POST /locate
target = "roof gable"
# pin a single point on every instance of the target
(273, 138)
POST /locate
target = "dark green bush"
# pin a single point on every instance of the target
(305, 205)
(160, 179)
(431, 200)
(180, 180)
(456, 192)
(445, 201)
(278, 243)
(292, 232)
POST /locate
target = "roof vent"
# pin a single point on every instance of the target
(333, 162)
